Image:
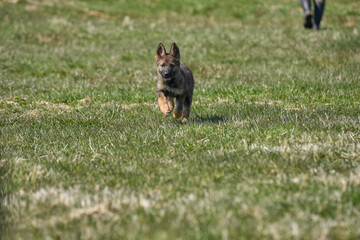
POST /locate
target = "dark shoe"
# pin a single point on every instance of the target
(308, 21)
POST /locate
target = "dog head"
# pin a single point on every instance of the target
(168, 64)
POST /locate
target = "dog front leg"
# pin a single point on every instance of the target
(166, 104)
(186, 111)
(179, 106)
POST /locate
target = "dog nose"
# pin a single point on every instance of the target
(166, 74)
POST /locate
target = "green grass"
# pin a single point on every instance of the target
(272, 149)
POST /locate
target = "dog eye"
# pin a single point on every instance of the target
(163, 65)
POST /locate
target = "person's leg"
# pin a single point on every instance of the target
(306, 5)
(319, 11)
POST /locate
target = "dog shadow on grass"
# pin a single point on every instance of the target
(210, 119)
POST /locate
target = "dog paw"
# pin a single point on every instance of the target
(185, 120)
(165, 110)
(177, 115)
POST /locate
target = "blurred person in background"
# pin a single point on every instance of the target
(318, 13)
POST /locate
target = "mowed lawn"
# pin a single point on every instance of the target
(271, 151)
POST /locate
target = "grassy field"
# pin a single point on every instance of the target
(272, 149)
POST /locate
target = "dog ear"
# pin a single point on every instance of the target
(175, 51)
(160, 51)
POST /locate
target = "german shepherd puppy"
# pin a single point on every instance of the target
(175, 80)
